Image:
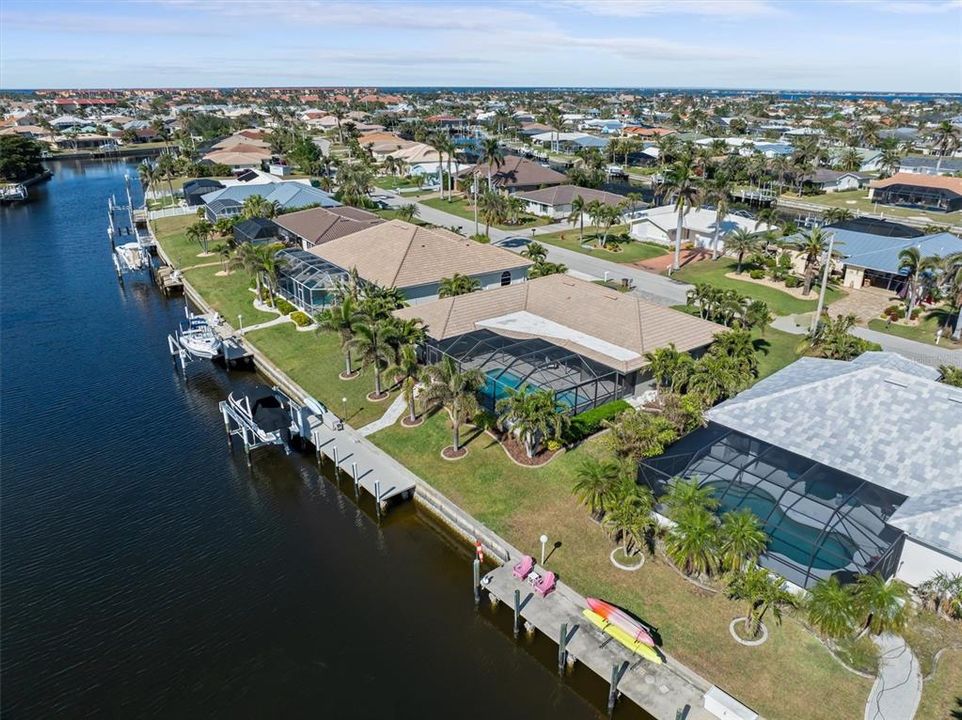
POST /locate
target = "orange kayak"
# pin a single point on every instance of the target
(620, 619)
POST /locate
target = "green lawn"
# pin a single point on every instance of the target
(171, 234)
(942, 693)
(398, 184)
(924, 332)
(313, 361)
(229, 295)
(392, 214)
(858, 200)
(463, 209)
(775, 679)
(623, 248)
(780, 303)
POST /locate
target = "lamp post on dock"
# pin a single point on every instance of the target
(240, 323)
(544, 541)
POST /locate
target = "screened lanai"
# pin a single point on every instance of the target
(307, 280)
(579, 383)
(820, 521)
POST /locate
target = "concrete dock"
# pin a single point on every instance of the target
(663, 691)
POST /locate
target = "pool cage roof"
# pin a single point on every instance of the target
(308, 270)
(820, 521)
(579, 382)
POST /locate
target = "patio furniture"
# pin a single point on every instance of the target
(523, 568)
(546, 584)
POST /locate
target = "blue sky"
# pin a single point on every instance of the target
(899, 45)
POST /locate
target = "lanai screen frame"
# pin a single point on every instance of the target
(307, 280)
(579, 382)
(858, 512)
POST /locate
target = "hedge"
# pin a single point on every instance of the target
(589, 422)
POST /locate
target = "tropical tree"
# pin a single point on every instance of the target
(607, 215)
(531, 414)
(553, 118)
(813, 245)
(493, 156)
(341, 318)
(741, 242)
(407, 371)
(629, 518)
(889, 161)
(457, 284)
(596, 483)
(685, 496)
(882, 603)
(692, 544)
(757, 315)
(270, 266)
(199, 232)
(223, 250)
(681, 183)
(636, 434)
(248, 258)
(913, 266)
(715, 376)
(715, 191)
(943, 592)
(742, 539)
(407, 212)
(762, 592)
(224, 227)
(443, 143)
(738, 345)
(831, 607)
(456, 391)
(354, 184)
(849, 160)
(543, 268)
(257, 206)
(577, 215)
(663, 363)
(831, 339)
(535, 252)
(946, 137)
(369, 346)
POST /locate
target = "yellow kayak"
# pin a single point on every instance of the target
(639, 648)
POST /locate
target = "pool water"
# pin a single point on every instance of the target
(785, 534)
(497, 383)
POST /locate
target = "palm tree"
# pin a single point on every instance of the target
(738, 345)
(543, 268)
(368, 343)
(596, 481)
(530, 415)
(715, 377)
(715, 191)
(607, 215)
(685, 496)
(442, 142)
(224, 251)
(407, 371)
(663, 363)
(692, 543)
(831, 339)
(553, 118)
(629, 518)
(914, 267)
(890, 161)
(341, 318)
(407, 212)
(199, 232)
(837, 215)
(813, 246)
(831, 607)
(492, 155)
(680, 181)
(455, 390)
(457, 284)
(578, 209)
(535, 252)
(248, 258)
(763, 593)
(224, 227)
(946, 136)
(256, 206)
(757, 315)
(849, 160)
(492, 208)
(741, 242)
(270, 265)
(742, 539)
(882, 603)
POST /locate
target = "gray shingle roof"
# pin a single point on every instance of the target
(881, 252)
(880, 418)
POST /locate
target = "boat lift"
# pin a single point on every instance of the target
(135, 254)
(185, 348)
(274, 418)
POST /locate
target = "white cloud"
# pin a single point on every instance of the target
(919, 7)
(642, 8)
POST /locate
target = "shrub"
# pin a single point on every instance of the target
(301, 319)
(792, 281)
(915, 313)
(756, 274)
(481, 238)
(589, 422)
(284, 307)
(553, 445)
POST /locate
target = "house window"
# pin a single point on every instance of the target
(505, 278)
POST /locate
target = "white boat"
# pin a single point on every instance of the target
(129, 256)
(198, 338)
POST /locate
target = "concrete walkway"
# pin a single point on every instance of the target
(920, 352)
(898, 687)
(280, 320)
(390, 416)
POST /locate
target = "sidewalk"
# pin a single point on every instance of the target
(920, 352)
(898, 687)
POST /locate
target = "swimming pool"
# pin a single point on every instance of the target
(497, 382)
(787, 537)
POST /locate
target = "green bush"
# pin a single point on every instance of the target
(793, 281)
(915, 313)
(756, 274)
(589, 422)
(284, 307)
(481, 238)
(301, 319)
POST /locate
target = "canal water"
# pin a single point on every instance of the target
(148, 573)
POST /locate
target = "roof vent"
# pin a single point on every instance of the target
(896, 384)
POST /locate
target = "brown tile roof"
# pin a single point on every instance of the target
(399, 254)
(518, 172)
(321, 225)
(646, 131)
(941, 182)
(616, 318)
(564, 194)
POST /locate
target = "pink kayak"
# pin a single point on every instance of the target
(619, 618)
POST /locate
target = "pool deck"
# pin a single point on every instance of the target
(661, 690)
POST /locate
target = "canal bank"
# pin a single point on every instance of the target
(147, 572)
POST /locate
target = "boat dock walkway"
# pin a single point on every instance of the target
(370, 467)
(664, 691)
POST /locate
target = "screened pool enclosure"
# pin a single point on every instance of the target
(307, 280)
(579, 383)
(819, 521)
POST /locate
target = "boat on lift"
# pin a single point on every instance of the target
(197, 336)
(129, 257)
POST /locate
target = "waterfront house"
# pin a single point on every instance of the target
(555, 202)
(570, 142)
(828, 181)
(415, 259)
(814, 451)
(194, 190)
(925, 192)
(516, 174)
(255, 231)
(584, 341)
(239, 156)
(659, 224)
(290, 195)
(316, 226)
(931, 165)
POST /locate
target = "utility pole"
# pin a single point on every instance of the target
(821, 292)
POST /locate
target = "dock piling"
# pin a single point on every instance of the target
(334, 451)
(377, 496)
(517, 611)
(617, 672)
(562, 648)
(476, 565)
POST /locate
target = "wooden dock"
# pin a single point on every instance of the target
(663, 691)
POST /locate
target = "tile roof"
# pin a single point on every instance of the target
(882, 419)
(595, 312)
(564, 194)
(320, 225)
(940, 182)
(517, 172)
(399, 254)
